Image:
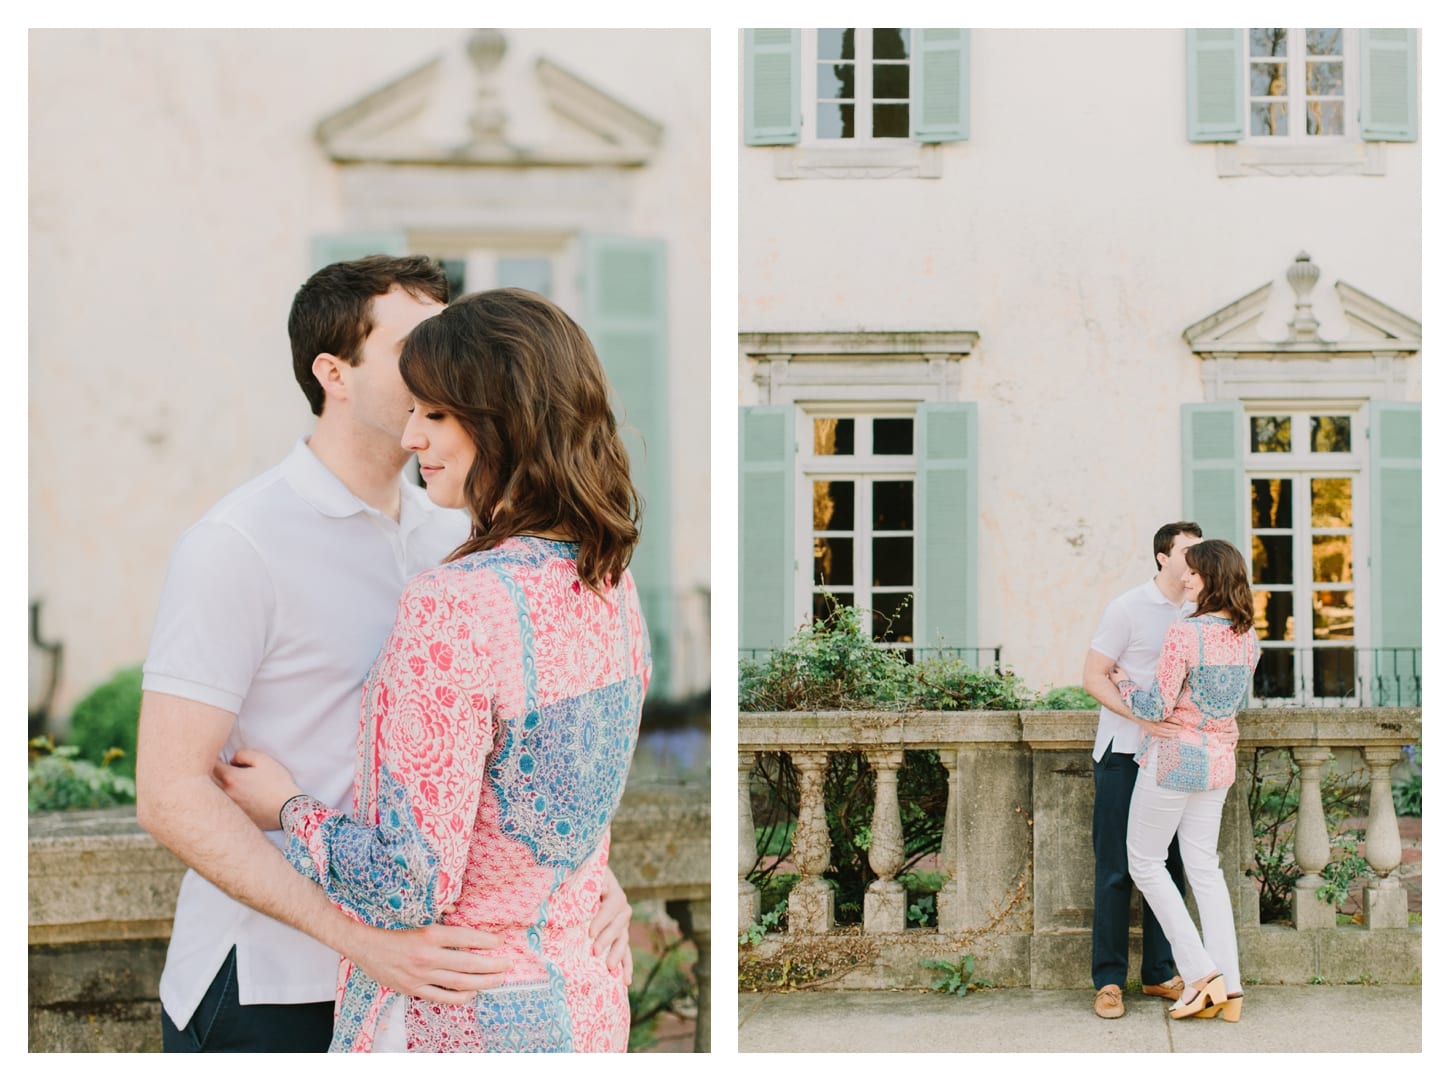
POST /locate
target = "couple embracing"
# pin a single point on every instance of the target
(388, 730)
(1172, 664)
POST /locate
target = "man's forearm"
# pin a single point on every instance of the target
(1102, 689)
(210, 834)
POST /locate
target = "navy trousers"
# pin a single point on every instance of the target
(1113, 780)
(220, 1023)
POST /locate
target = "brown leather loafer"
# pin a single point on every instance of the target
(1108, 1002)
(1170, 990)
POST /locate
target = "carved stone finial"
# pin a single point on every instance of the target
(485, 50)
(1302, 275)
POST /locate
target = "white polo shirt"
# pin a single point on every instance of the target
(1132, 631)
(275, 606)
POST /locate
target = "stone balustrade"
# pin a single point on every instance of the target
(102, 896)
(1017, 849)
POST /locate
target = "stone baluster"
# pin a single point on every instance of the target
(885, 906)
(694, 920)
(812, 904)
(1311, 842)
(745, 855)
(946, 896)
(1385, 903)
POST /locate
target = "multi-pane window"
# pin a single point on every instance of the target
(861, 477)
(1298, 85)
(486, 270)
(1303, 494)
(857, 83)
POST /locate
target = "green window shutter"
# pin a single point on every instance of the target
(625, 315)
(772, 87)
(767, 520)
(1213, 470)
(946, 524)
(1395, 523)
(1215, 86)
(344, 247)
(940, 85)
(1387, 86)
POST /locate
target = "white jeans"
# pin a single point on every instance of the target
(1154, 816)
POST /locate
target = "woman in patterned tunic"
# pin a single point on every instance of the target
(1186, 765)
(499, 720)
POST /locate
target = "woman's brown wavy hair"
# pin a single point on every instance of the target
(526, 385)
(1225, 582)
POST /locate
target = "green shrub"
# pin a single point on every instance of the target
(1064, 698)
(61, 781)
(1406, 790)
(105, 720)
(834, 664)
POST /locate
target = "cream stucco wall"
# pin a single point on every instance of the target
(1079, 233)
(175, 186)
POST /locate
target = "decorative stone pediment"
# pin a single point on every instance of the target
(1292, 339)
(478, 106)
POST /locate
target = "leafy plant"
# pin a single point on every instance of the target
(834, 664)
(60, 780)
(956, 976)
(768, 921)
(1273, 799)
(1064, 698)
(663, 983)
(921, 891)
(105, 721)
(1406, 790)
(1342, 871)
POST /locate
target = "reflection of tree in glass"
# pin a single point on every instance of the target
(1269, 42)
(834, 435)
(1271, 435)
(1324, 42)
(1329, 435)
(846, 73)
(1271, 502)
(1330, 502)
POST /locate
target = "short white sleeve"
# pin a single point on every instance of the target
(1115, 630)
(214, 620)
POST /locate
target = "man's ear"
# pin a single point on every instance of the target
(330, 371)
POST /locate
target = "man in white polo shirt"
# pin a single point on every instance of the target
(275, 606)
(1130, 634)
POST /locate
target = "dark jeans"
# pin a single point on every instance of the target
(1113, 779)
(220, 1023)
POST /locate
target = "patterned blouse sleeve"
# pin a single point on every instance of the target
(428, 714)
(1158, 702)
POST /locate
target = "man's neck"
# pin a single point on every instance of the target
(369, 467)
(1170, 588)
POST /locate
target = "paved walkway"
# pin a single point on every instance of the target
(1296, 1019)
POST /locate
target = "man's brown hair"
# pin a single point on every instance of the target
(1163, 539)
(333, 311)
(524, 382)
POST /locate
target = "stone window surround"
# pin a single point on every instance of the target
(860, 366)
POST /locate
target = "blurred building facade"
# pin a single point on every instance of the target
(183, 184)
(1012, 299)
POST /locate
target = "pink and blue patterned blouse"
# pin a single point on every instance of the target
(1204, 676)
(497, 730)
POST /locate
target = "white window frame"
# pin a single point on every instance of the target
(862, 467)
(1300, 464)
(865, 80)
(1295, 63)
(481, 251)
(1300, 154)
